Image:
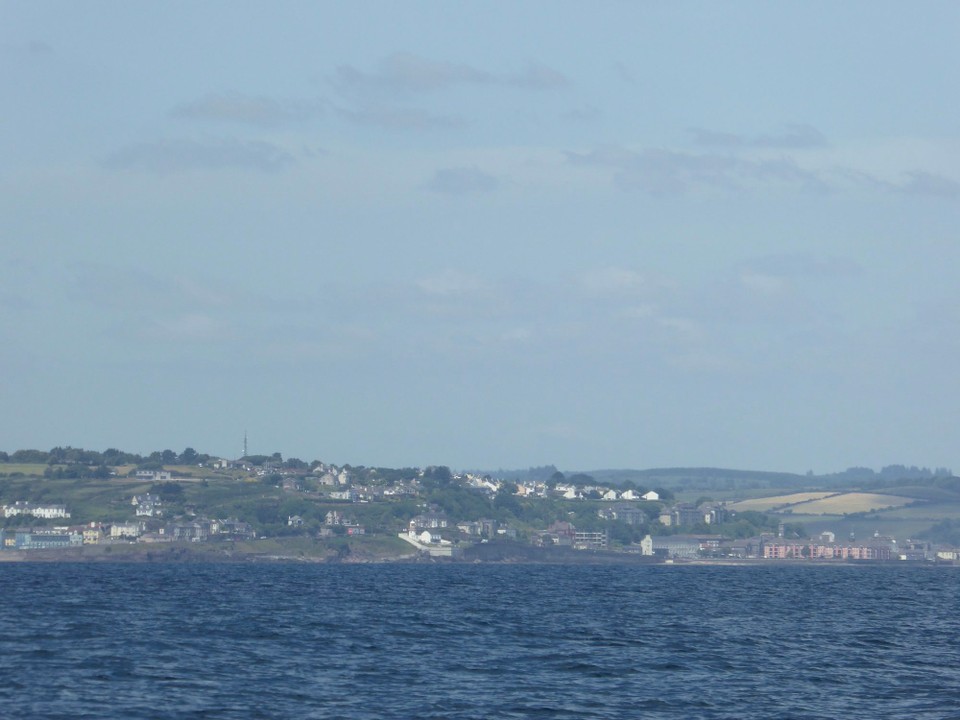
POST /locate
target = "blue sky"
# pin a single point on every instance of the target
(484, 235)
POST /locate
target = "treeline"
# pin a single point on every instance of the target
(892, 472)
(108, 458)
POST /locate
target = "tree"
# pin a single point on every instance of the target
(665, 495)
(28, 456)
(188, 457)
(581, 479)
(437, 476)
(168, 491)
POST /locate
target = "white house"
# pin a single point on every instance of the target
(47, 512)
(427, 537)
(651, 495)
(126, 530)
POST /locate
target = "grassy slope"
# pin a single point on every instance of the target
(224, 495)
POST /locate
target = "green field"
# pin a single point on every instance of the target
(933, 512)
(22, 468)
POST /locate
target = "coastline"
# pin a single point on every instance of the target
(487, 554)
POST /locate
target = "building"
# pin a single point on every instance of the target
(43, 539)
(630, 514)
(686, 547)
(680, 515)
(38, 510)
(126, 531)
(590, 540)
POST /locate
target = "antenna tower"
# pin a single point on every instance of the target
(244, 443)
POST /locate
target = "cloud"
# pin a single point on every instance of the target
(462, 181)
(172, 156)
(258, 111)
(918, 183)
(129, 289)
(582, 114)
(536, 77)
(794, 137)
(930, 185)
(191, 327)
(661, 172)
(409, 73)
(615, 280)
(800, 265)
(449, 282)
(400, 118)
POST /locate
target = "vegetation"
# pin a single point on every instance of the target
(288, 500)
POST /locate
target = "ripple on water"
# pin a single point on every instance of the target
(449, 641)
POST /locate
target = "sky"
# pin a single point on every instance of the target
(483, 234)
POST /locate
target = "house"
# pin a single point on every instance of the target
(154, 475)
(237, 530)
(46, 539)
(428, 521)
(676, 546)
(294, 521)
(195, 531)
(713, 513)
(93, 534)
(147, 505)
(680, 515)
(559, 533)
(427, 537)
(126, 531)
(630, 514)
(650, 496)
(469, 528)
(44, 511)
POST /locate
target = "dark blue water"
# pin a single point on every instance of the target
(489, 641)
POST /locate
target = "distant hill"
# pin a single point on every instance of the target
(701, 478)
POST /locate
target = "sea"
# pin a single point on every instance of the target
(485, 641)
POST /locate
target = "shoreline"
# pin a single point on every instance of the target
(184, 553)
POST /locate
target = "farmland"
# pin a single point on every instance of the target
(767, 504)
(853, 502)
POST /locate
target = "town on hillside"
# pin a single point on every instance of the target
(71, 498)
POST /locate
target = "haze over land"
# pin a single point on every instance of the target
(483, 234)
